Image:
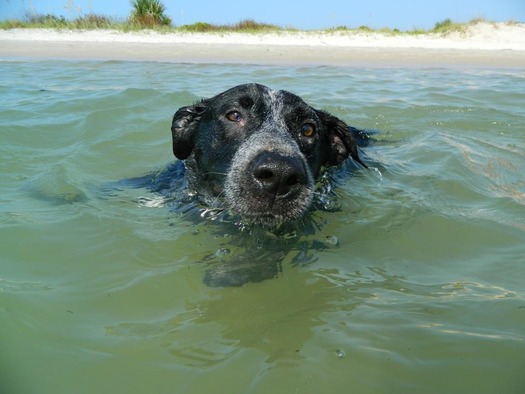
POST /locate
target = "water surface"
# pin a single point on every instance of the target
(416, 284)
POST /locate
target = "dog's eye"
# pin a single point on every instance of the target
(234, 116)
(308, 130)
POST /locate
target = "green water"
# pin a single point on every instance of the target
(417, 284)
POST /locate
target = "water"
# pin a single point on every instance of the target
(417, 283)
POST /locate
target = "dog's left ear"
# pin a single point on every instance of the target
(184, 127)
(340, 139)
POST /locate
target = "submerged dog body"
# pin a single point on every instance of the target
(258, 152)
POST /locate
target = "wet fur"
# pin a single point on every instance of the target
(211, 177)
(220, 154)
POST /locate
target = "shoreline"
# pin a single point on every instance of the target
(483, 45)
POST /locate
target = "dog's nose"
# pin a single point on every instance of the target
(278, 174)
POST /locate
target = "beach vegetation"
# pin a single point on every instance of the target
(245, 26)
(448, 26)
(478, 20)
(251, 25)
(93, 21)
(149, 13)
(340, 28)
(365, 29)
(12, 24)
(46, 20)
(416, 31)
(443, 25)
(198, 27)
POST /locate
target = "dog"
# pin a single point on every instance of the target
(254, 159)
(258, 153)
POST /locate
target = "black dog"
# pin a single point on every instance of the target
(257, 158)
(257, 152)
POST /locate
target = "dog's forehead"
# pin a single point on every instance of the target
(283, 103)
(283, 97)
(259, 102)
(260, 94)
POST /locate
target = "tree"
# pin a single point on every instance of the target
(149, 13)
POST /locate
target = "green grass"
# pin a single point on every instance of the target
(47, 21)
(245, 26)
(93, 21)
(154, 18)
(443, 27)
(135, 22)
(446, 26)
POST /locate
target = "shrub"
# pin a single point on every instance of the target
(443, 25)
(247, 25)
(46, 20)
(199, 27)
(149, 13)
(447, 26)
(251, 25)
(93, 21)
(340, 28)
(365, 29)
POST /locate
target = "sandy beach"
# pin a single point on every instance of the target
(482, 45)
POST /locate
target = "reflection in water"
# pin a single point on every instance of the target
(274, 319)
(278, 317)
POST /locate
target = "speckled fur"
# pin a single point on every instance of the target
(218, 152)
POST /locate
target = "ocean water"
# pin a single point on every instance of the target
(416, 284)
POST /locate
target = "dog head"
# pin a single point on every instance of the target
(257, 152)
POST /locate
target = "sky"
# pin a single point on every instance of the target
(301, 14)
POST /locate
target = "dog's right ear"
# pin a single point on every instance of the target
(340, 139)
(184, 127)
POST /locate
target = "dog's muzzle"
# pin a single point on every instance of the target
(269, 182)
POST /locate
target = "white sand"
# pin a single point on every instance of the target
(483, 44)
